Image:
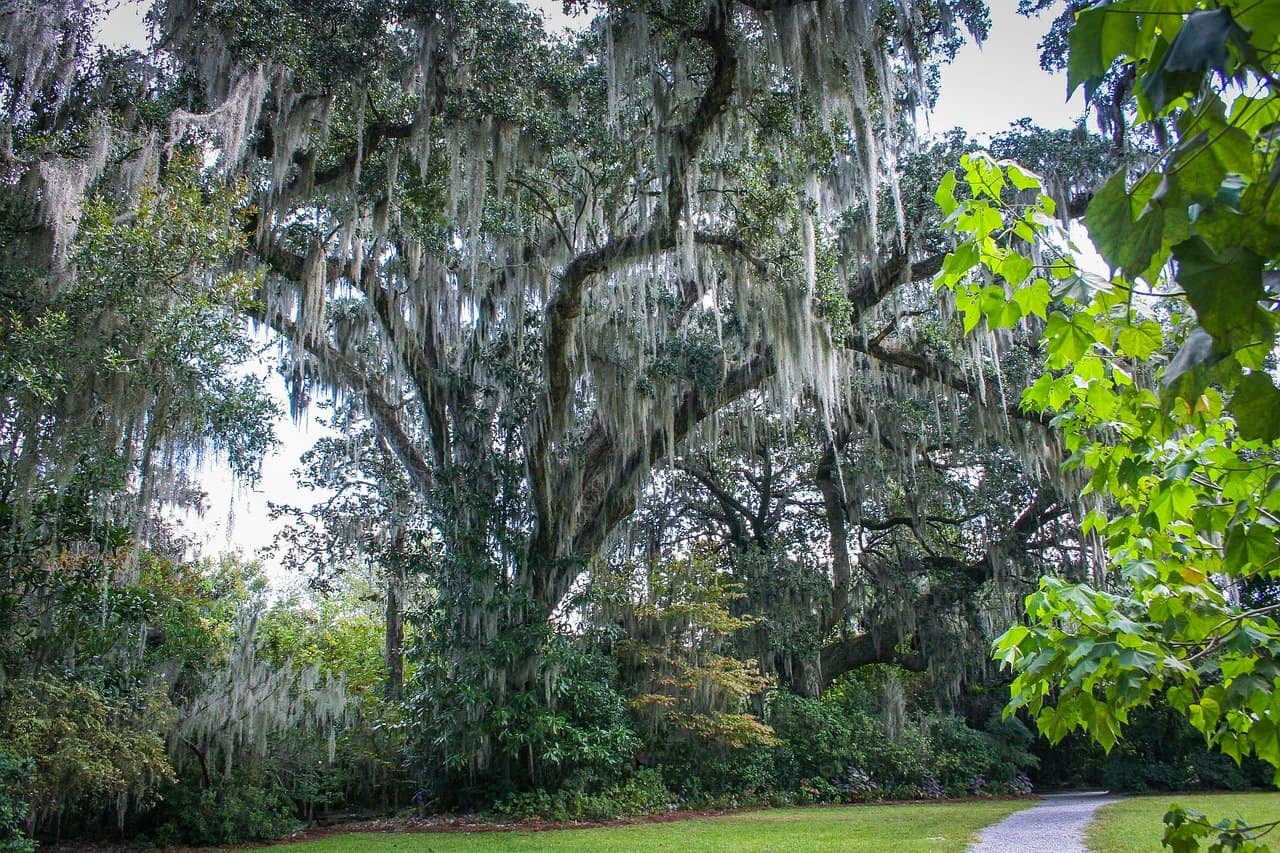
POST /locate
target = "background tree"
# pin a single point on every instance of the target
(370, 517)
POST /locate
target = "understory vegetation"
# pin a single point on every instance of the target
(696, 434)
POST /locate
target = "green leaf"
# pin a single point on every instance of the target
(1266, 742)
(1069, 338)
(968, 305)
(1099, 37)
(1201, 44)
(945, 195)
(1250, 547)
(1255, 227)
(1033, 298)
(1256, 406)
(1206, 132)
(1140, 340)
(956, 264)
(1109, 219)
(1184, 377)
(1015, 268)
(1225, 288)
(1199, 47)
(1000, 311)
(1021, 178)
(1143, 242)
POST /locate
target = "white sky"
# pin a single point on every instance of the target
(987, 88)
(983, 91)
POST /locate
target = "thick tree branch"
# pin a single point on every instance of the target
(611, 475)
(922, 370)
(384, 413)
(566, 306)
(833, 499)
(774, 5)
(727, 500)
(849, 653)
(875, 283)
(734, 246)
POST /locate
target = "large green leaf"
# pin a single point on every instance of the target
(1224, 288)
(1261, 18)
(1099, 37)
(1256, 406)
(1201, 44)
(1250, 546)
(1140, 340)
(1200, 47)
(1109, 219)
(1185, 375)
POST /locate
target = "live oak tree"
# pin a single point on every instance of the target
(539, 266)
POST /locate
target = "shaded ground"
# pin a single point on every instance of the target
(1056, 824)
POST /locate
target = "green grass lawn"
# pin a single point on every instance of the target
(1136, 825)
(902, 829)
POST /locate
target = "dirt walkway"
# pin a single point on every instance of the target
(1055, 825)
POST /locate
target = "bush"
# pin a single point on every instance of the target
(1159, 751)
(574, 721)
(15, 775)
(231, 811)
(840, 741)
(641, 794)
(818, 739)
(90, 752)
(968, 761)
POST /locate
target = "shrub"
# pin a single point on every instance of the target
(15, 775)
(231, 811)
(963, 755)
(640, 794)
(88, 751)
(818, 738)
(711, 777)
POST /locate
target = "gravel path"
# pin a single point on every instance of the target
(1054, 825)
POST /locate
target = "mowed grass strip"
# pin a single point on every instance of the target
(900, 828)
(1136, 825)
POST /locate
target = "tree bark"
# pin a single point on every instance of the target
(849, 653)
(395, 626)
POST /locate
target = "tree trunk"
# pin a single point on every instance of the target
(827, 477)
(395, 627)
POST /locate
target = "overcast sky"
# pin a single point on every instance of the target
(983, 91)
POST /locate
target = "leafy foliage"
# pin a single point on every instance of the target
(86, 745)
(1185, 475)
(233, 810)
(1189, 495)
(15, 776)
(1208, 203)
(114, 375)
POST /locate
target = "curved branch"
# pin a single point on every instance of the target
(922, 370)
(565, 307)
(384, 414)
